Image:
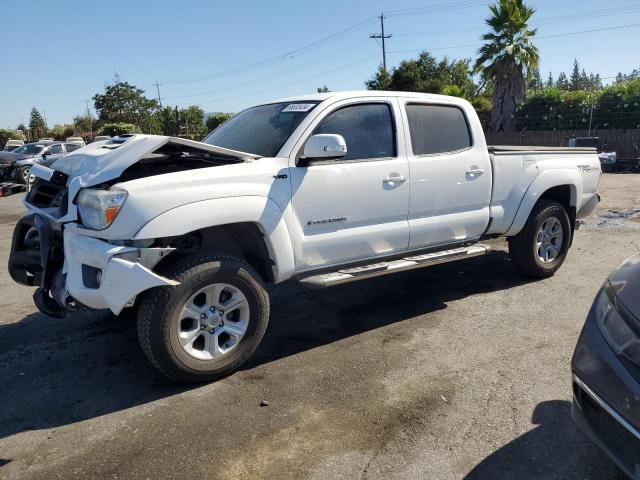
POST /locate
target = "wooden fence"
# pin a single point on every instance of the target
(625, 142)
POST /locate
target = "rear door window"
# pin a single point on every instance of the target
(437, 129)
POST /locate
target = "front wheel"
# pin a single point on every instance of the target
(24, 173)
(540, 249)
(209, 325)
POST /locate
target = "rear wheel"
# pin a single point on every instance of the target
(209, 325)
(540, 249)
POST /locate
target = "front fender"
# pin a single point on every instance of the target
(547, 180)
(262, 211)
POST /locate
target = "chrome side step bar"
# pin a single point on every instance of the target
(384, 268)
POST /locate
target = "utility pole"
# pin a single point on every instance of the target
(590, 118)
(90, 119)
(158, 89)
(382, 36)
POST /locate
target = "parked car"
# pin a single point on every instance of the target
(606, 369)
(8, 160)
(101, 138)
(322, 189)
(12, 145)
(44, 152)
(76, 140)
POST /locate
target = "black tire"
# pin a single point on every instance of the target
(22, 173)
(159, 310)
(523, 248)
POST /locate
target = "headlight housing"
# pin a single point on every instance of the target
(98, 208)
(616, 326)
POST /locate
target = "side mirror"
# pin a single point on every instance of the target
(323, 147)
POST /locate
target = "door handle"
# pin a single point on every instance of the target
(475, 171)
(398, 179)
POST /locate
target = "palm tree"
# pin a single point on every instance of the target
(507, 58)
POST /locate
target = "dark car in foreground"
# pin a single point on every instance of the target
(606, 369)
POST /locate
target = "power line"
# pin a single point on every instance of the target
(331, 38)
(541, 37)
(280, 58)
(578, 16)
(438, 8)
(331, 55)
(291, 83)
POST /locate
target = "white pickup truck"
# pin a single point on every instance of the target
(323, 189)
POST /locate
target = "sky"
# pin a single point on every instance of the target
(228, 55)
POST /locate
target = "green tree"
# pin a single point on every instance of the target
(214, 120)
(36, 121)
(507, 57)
(122, 102)
(380, 81)
(323, 89)
(563, 82)
(535, 80)
(192, 122)
(9, 134)
(428, 75)
(165, 118)
(84, 123)
(576, 80)
(61, 132)
(118, 128)
(550, 82)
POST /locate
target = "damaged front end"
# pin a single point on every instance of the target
(71, 270)
(36, 259)
(73, 266)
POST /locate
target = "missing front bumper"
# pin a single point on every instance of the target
(57, 263)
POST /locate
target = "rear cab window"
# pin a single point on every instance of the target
(437, 129)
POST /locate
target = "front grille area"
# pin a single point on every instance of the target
(620, 442)
(46, 194)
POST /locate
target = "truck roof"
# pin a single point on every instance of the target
(319, 97)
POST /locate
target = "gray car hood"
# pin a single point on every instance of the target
(625, 281)
(103, 161)
(10, 157)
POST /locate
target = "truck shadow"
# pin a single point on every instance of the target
(554, 449)
(57, 372)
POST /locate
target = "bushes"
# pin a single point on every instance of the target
(113, 129)
(214, 120)
(9, 134)
(550, 108)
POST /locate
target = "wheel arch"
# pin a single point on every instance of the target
(252, 227)
(562, 186)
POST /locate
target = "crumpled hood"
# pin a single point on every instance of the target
(103, 161)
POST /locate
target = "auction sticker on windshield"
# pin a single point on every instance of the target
(298, 107)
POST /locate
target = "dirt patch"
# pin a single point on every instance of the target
(615, 219)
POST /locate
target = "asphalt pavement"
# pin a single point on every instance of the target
(456, 371)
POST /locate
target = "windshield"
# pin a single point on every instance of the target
(29, 149)
(261, 130)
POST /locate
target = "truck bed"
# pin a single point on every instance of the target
(510, 149)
